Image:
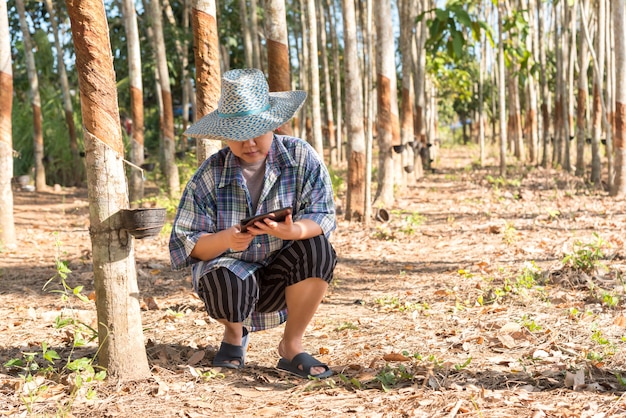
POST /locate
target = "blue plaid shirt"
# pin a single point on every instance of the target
(216, 198)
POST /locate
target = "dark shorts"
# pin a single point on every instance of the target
(228, 297)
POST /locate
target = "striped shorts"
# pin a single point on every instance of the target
(228, 297)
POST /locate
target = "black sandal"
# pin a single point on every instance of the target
(229, 353)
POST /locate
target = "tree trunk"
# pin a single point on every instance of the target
(337, 84)
(419, 81)
(569, 58)
(246, 28)
(619, 28)
(386, 89)
(77, 163)
(278, 67)
(545, 113)
(531, 117)
(7, 221)
(501, 91)
(407, 135)
(328, 99)
(256, 44)
(33, 81)
(208, 74)
(169, 145)
(136, 188)
(122, 351)
(369, 116)
(354, 117)
(314, 79)
(596, 121)
(557, 145)
(581, 106)
(610, 95)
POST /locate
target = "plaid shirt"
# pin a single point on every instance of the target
(217, 198)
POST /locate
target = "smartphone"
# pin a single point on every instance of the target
(277, 215)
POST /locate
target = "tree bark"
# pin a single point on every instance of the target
(581, 106)
(619, 28)
(136, 188)
(122, 351)
(339, 153)
(531, 117)
(278, 67)
(314, 80)
(77, 163)
(596, 121)
(169, 144)
(35, 100)
(246, 29)
(545, 113)
(208, 74)
(407, 135)
(354, 117)
(328, 99)
(7, 221)
(501, 91)
(386, 88)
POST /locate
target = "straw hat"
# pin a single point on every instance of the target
(246, 108)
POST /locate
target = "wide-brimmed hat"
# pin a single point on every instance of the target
(246, 108)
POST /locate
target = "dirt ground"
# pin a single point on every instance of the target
(480, 297)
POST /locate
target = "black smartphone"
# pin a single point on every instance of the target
(277, 215)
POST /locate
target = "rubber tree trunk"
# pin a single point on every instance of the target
(596, 123)
(328, 99)
(169, 144)
(340, 152)
(582, 98)
(501, 92)
(35, 100)
(314, 80)
(122, 351)
(355, 203)
(208, 73)
(386, 87)
(7, 222)
(77, 163)
(278, 68)
(136, 100)
(619, 25)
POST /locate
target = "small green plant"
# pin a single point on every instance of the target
(553, 214)
(81, 372)
(530, 324)
(389, 376)
(510, 234)
(337, 180)
(586, 256)
(351, 381)
(610, 299)
(461, 366)
(393, 303)
(411, 222)
(346, 325)
(211, 375)
(384, 233)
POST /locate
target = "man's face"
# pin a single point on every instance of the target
(252, 150)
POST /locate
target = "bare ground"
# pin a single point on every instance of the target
(460, 305)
